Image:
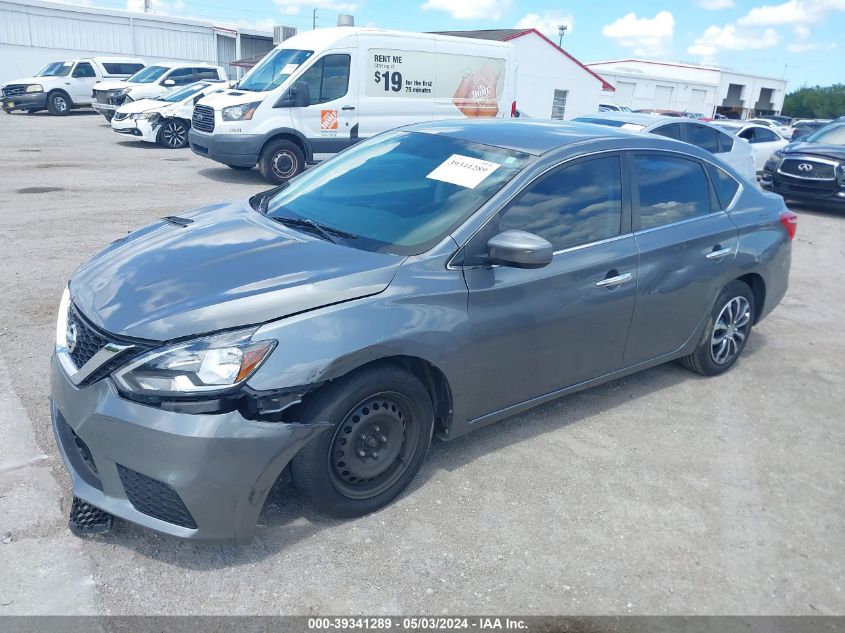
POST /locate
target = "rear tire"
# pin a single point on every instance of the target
(280, 161)
(58, 103)
(383, 425)
(727, 331)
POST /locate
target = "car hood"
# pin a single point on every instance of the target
(837, 152)
(142, 105)
(113, 84)
(230, 267)
(25, 80)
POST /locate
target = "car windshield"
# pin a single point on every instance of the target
(147, 75)
(272, 71)
(55, 69)
(399, 192)
(831, 135)
(182, 92)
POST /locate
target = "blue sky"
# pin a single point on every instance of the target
(803, 40)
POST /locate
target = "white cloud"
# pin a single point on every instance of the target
(806, 48)
(293, 7)
(648, 37)
(468, 9)
(791, 12)
(547, 23)
(730, 38)
(716, 5)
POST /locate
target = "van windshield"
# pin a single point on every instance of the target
(55, 69)
(147, 75)
(399, 192)
(272, 71)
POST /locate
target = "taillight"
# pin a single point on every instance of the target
(790, 222)
(514, 113)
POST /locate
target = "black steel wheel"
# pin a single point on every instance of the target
(383, 430)
(280, 161)
(173, 134)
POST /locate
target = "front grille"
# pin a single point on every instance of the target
(102, 96)
(88, 340)
(808, 169)
(154, 498)
(14, 90)
(203, 119)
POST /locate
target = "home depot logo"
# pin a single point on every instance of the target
(328, 119)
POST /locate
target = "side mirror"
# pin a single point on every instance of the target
(169, 82)
(520, 249)
(297, 96)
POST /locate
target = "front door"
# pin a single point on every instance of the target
(533, 332)
(330, 122)
(82, 81)
(687, 246)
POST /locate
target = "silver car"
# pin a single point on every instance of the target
(429, 280)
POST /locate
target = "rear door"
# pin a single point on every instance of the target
(687, 244)
(330, 122)
(533, 332)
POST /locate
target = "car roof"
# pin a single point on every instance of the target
(529, 136)
(634, 118)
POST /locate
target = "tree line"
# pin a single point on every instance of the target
(818, 102)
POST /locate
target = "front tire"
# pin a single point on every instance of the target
(280, 161)
(58, 103)
(727, 331)
(173, 134)
(383, 426)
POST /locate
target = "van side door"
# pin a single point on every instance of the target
(330, 121)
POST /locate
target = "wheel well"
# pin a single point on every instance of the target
(55, 90)
(434, 380)
(293, 138)
(758, 289)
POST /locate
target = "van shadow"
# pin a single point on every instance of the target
(287, 519)
(235, 176)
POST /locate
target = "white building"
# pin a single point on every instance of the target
(642, 84)
(34, 32)
(551, 83)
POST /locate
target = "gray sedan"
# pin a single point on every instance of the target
(429, 280)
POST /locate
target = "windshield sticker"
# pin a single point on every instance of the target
(633, 126)
(289, 68)
(463, 171)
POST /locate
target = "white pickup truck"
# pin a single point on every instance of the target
(151, 82)
(61, 86)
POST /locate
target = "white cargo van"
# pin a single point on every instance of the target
(64, 85)
(321, 91)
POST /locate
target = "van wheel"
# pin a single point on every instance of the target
(173, 134)
(727, 332)
(280, 161)
(383, 424)
(58, 103)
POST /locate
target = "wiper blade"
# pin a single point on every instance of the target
(324, 231)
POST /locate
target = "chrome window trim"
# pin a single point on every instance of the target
(451, 266)
(679, 222)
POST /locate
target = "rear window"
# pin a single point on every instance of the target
(123, 68)
(673, 130)
(726, 186)
(703, 137)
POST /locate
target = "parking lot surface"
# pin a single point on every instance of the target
(661, 493)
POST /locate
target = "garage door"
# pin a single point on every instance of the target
(662, 97)
(624, 95)
(696, 100)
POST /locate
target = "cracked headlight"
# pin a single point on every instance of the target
(199, 367)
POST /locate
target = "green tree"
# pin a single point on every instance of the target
(818, 102)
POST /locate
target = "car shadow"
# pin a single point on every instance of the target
(288, 519)
(235, 176)
(139, 144)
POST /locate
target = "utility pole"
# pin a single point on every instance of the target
(562, 30)
(314, 20)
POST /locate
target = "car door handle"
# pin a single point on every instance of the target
(348, 108)
(720, 252)
(609, 282)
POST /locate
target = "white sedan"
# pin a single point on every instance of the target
(166, 119)
(764, 140)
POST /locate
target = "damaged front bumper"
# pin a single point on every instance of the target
(200, 476)
(143, 129)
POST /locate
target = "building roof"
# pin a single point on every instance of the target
(654, 62)
(505, 35)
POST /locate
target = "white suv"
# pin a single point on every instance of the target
(152, 81)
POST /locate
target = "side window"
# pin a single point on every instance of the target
(575, 205)
(328, 78)
(181, 76)
(84, 69)
(726, 142)
(703, 137)
(204, 73)
(671, 189)
(764, 136)
(726, 186)
(748, 134)
(673, 130)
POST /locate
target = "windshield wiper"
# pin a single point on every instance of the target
(322, 230)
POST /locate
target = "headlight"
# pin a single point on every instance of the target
(241, 112)
(118, 93)
(774, 160)
(206, 365)
(144, 115)
(34, 88)
(840, 174)
(61, 321)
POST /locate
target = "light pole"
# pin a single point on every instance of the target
(562, 30)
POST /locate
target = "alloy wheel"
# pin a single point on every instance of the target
(730, 330)
(60, 103)
(174, 134)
